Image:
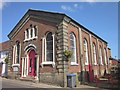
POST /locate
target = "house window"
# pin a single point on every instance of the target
(48, 53)
(31, 33)
(100, 55)
(86, 51)
(73, 48)
(94, 54)
(105, 57)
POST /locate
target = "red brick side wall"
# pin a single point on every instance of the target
(74, 68)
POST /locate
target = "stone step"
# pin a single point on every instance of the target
(28, 78)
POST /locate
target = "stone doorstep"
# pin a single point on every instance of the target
(28, 78)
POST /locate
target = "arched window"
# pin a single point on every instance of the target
(86, 51)
(27, 34)
(31, 33)
(17, 52)
(105, 57)
(73, 48)
(100, 55)
(35, 31)
(49, 47)
(94, 54)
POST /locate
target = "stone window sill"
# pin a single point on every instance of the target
(30, 39)
(74, 64)
(48, 63)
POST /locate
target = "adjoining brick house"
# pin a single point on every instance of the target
(38, 43)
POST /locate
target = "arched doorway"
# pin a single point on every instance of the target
(31, 63)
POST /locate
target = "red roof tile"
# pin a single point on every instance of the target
(4, 46)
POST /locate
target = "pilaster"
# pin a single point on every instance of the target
(62, 45)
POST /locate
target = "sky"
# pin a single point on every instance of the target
(99, 17)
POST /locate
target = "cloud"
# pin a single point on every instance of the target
(67, 8)
(71, 8)
(76, 5)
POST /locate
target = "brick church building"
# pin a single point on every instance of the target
(38, 43)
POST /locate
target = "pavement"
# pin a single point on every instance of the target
(27, 84)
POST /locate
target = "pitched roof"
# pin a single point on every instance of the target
(4, 46)
(56, 15)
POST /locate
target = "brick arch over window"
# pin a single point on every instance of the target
(85, 42)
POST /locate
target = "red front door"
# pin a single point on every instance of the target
(31, 68)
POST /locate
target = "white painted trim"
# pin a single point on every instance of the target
(25, 71)
(100, 55)
(91, 48)
(37, 72)
(74, 64)
(105, 56)
(29, 46)
(14, 65)
(86, 53)
(20, 53)
(43, 40)
(48, 63)
(74, 41)
(27, 63)
(29, 32)
(94, 55)
(53, 47)
(30, 37)
(13, 54)
(22, 67)
(81, 50)
(33, 32)
(45, 50)
(44, 57)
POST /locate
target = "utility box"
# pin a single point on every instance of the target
(71, 80)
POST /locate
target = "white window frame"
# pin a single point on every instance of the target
(29, 34)
(105, 56)
(44, 62)
(86, 52)
(94, 54)
(75, 50)
(15, 55)
(100, 55)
